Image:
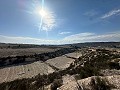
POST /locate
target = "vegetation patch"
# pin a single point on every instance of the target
(100, 84)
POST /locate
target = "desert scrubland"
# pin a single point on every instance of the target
(72, 68)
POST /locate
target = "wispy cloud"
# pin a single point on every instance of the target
(92, 37)
(63, 33)
(111, 13)
(27, 40)
(91, 13)
(76, 38)
(49, 21)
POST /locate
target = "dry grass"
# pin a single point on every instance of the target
(61, 62)
(24, 71)
(74, 54)
(27, 51)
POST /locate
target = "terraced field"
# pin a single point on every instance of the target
(61, 62)
(74, 54)
(22, 52)
(64, 61)
(24, 71)
(11, 73)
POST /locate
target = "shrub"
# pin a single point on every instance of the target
(114, 65)
(57, 83)
(100, 84)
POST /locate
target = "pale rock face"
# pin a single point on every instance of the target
(111, 72)
(69, 82)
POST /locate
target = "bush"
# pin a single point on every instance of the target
(88, 71)
(57, 83)
(100, 84)
(114, 65)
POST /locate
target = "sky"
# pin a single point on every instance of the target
(59, 21)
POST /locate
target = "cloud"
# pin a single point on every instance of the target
(76, 38)
(63, 33)
(49, 22)
(91, 13)
(111, 13)
(92, 37)
(80, 35)
(46, 17)
(24, 40)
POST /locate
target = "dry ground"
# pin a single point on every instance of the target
(24, 71)
(69, 82)
(61, 62)
(30, 70)
(74, 54)
(27, 51)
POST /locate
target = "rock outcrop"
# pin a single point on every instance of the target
(70, 83)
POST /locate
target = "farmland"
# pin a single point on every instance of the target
(24, 71)
(60, 62)
(30, 70)
(44, 67)
(33, 62)
(74, 54)
(64, 61)
(26, 51)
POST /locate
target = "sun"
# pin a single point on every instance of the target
(42, 13)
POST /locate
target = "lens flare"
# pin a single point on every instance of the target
(46, 17)
(42, 13)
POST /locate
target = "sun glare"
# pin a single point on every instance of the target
(42, 13)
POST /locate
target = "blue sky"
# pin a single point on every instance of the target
(62, 22)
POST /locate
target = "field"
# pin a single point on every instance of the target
(24, 71)
(74, 54)
(27, 51)
(43, 66)
(61, 62)
(32, 69)
(64, 61)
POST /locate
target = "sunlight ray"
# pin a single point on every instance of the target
(41, 21)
